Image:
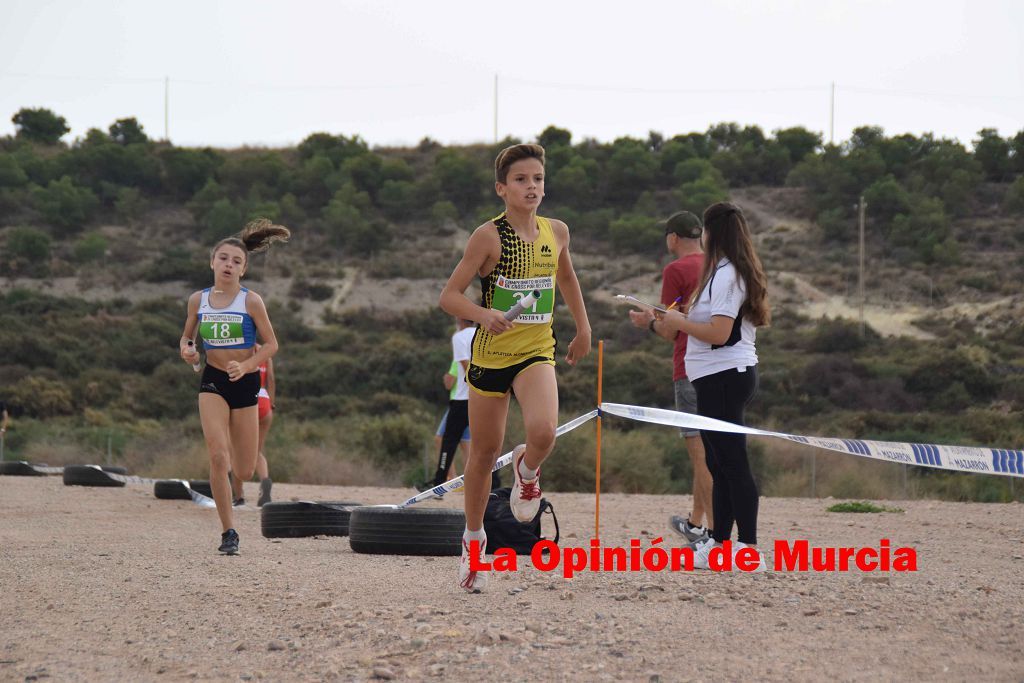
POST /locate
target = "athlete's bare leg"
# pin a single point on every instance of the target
(537, 394)
(487, 416)
(215, 417)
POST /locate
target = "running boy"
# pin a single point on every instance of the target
(516, 252)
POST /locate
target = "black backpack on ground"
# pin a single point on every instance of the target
(505, 531)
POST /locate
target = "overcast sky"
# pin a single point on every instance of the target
(271, 73)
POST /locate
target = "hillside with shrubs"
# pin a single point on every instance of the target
(103, 237)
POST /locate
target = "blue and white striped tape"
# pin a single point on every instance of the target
(1005, 462)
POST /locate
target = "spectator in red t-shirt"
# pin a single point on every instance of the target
(678, 281)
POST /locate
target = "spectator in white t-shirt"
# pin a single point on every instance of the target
(457, 420)
(721, 362)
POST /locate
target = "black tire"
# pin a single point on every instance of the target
(393, 531)
(301, 519)
(19, 468)
(88, 475)
(173, 489)
(114, 469)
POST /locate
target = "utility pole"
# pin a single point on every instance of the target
(832, 116)
(167, 96)
(860, 279)
(495, 108)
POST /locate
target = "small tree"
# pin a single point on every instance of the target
(29, 244)
(993, 153)
(129, 204)
(11, 173)
(222, 220)
(127, 132)
(552, 136)
(90, 247)
(1014, 200)
(64, 205)
(40, 125)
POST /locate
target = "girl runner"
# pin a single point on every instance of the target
(227, 318)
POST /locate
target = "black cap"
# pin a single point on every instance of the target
(683, 224)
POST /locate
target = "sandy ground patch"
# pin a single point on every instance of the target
(112, 584)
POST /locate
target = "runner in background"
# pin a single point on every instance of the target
(450, 378)
(267, 405)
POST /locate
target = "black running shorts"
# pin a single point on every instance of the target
(241, 394)
(498, 381)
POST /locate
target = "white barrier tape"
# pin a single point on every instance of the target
(197, 498)
(46, 470)
(457, 482)
(1001, 461)
(200, 499)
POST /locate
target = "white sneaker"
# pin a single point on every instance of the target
(701, 551)
(525, 497)
(472, 581)
(762, 565)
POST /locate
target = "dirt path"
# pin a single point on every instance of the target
(112, 584)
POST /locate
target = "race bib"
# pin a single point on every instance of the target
(222, 329)
(508, 291)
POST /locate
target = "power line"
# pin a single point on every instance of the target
(664, 91)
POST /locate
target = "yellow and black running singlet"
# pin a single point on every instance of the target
(521, 268)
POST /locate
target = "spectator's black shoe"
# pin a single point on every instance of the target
(238, 502)
(229, 542)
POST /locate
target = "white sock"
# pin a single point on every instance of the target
(525, 472)
(478, 535)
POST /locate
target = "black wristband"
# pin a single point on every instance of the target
(650, 325)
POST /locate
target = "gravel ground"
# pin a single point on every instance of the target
(112, 584)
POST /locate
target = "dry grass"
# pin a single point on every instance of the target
(316, 465)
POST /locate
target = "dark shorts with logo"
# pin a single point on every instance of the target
(241, 394)
(498, 381)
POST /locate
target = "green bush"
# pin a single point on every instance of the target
(178, 263)
(29, 245)
(11, 173)
(306, 289)
(443, 212)
(40, 125)
(1014, 199)
(41, 397)
(91, 246)
(64, 205)
(393, 440)
(129, 205)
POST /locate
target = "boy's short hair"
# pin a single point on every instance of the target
(511, 155)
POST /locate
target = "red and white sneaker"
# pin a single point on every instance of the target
(472, 581)
(525, 498)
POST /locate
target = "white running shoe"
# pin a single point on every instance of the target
(525, 497)
(762, 565)
(472, 581)
(701, 551)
